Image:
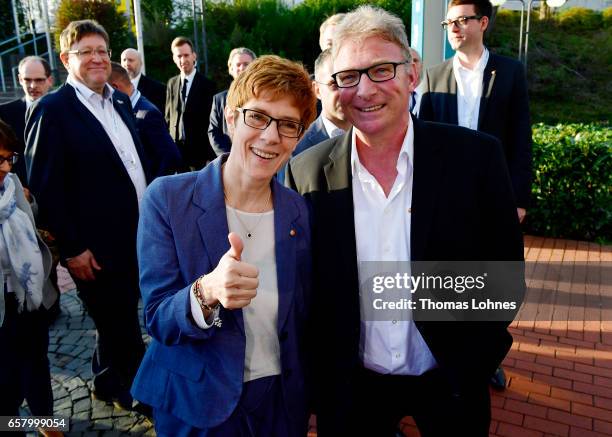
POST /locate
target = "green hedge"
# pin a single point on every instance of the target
(572, 185)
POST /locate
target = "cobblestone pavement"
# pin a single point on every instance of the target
(71, 343)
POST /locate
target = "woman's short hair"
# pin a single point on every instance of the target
(367, 21)
(77, 30)
(8, 139)
(277, 77)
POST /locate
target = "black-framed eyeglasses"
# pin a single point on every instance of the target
(377, 73)
(89, 53)
(11, 159)
(461, 22)
(261, 121)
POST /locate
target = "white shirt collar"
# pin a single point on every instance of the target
(480, 66)
(190, 77)
(330, 127)
(406, 154)
(136, 80)
(87, 92)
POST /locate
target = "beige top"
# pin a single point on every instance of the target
(262, 357)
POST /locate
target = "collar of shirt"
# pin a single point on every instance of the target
(28, 101)
(480, 65)
(190, 80)
(89, 94)
(406, 156)
(136, 80)
(330, 127)
(134, 97)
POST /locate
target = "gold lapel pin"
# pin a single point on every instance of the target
(292, 232)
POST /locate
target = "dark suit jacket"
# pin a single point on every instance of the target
(217, 129)
(187, 370)
(315, 134)
(86, 198)
(504, 112)
(154, 91)
(196, 151)
(13, 114)
(164, 157)
(462, 209)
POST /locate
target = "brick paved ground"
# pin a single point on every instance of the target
(559, 369)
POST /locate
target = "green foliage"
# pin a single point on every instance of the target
(580, 18)
(568, 67)
(265, 26)
(103, 11)
(572, 186)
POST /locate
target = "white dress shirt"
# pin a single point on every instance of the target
(102, 108)
(469, 90)
(382, 233)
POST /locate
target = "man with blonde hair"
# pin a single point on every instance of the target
(237, 61)
(390, 192)
(87, 169)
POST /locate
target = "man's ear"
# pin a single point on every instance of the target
(484, 24)
(19, 78)
(315, 89)
(64, 59)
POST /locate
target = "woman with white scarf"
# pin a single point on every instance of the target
(25, 263)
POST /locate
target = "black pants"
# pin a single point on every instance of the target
(112, 302)
(24, 367)
(383, 400)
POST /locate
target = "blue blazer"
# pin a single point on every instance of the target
(196, 374)
(163, 154)
(85, 195)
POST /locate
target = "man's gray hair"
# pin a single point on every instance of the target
(323, 58)
(367, 21)
(240, 51)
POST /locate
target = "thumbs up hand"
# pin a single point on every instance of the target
(233, 282)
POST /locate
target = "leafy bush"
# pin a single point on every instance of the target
(572, 186)
(580, 18)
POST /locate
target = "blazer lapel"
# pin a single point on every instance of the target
(451, 86)
(93, 125)
(212, 224)
(339, 181)
(425, 184)
(286, 214)
(488, 79)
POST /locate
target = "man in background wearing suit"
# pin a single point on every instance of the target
(332, 121)
(36, 80)
(153, 90)
(397, 189)
(88, 171)
(238, 60)
(163, 155)
(482, 91)
(188, 102)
